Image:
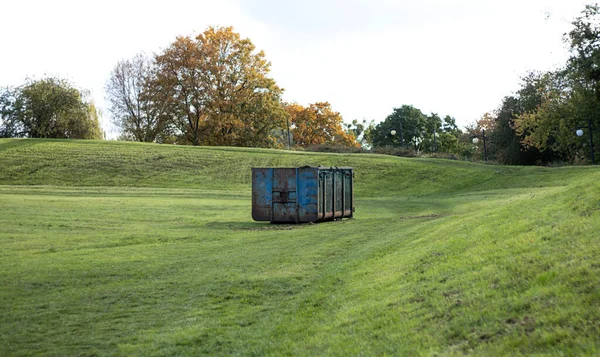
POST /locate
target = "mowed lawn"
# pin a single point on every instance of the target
(126, 249)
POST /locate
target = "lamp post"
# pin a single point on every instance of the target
(393, 133)
(590, 128)
(434, 142)
(289, 139)
(476, 140)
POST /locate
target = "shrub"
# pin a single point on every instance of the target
(334, 148)
(396, 151)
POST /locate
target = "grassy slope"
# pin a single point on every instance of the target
(131, 249)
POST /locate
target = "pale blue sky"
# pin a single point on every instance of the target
(456, 57)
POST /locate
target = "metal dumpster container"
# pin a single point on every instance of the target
(302, 194)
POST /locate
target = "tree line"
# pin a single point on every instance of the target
(215, 89)
(209, 89)
(538, 123)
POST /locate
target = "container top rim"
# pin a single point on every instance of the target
(306, 166)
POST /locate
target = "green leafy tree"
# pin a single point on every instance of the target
(440, 135)
(408, 127)
(402, 128)
(537, 124)
(583, 65)
(551, 127)
(506, 145)
(432, 128)
(566, 98)
(583, 70)
(449, 125)
(48, 108)
(450, 136)
(358, 130)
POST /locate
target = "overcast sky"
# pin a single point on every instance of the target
(365, 57)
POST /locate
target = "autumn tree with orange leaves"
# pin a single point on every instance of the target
(218, 92)
(215, 89)
(318, 124)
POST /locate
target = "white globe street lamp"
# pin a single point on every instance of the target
(475, 140)
(590, 128)
(393, 133)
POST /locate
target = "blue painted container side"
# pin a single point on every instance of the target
(302, 194)
(308, 194)
(262, 188)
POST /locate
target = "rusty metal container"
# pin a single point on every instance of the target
(302, 194)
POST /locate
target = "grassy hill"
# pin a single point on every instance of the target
(111, 248)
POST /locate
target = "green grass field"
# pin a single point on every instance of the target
(125, 249)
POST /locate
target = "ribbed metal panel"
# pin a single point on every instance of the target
(302, 194)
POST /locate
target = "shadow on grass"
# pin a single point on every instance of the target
(260, 226)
